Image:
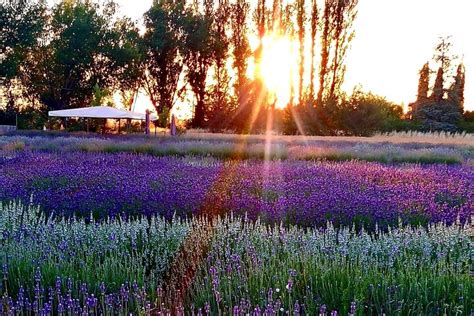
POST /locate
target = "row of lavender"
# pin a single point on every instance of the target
(293, 192)
(117, 267)
(384, 150)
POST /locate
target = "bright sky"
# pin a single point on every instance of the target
(393, 40)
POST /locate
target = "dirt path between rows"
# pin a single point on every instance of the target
(193, 251)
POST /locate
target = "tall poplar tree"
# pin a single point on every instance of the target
(301, 21)
(325, 46)
(344, 16)
(314, 30)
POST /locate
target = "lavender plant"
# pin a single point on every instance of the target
(82, 264)
(294, 192)
(303, 148)
(75, 267)
(253, 269)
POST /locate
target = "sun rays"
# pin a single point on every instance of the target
(279, 62)
(277, 68)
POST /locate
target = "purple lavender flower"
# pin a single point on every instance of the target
(289, 285)
(5, 271)
(102, 288)
(322, 310)
(353, 308)
(38, 275)
(236, 311)
(340, 192)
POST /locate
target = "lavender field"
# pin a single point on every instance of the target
(90, 230)
(307, 193)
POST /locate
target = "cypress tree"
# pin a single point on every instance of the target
(456, 92)
(438, 90)
(423, 83)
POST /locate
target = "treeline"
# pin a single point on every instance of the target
(79, 53)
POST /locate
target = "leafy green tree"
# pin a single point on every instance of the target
(345, 14)
(240, 44)
(21, 24)
(423, 90)
(128, 55)
(101, 96)
(337, 33)
(366, 113)
(443, 109)
(221, 104)
(443, 115)
(240, 11)
(163, 42)
(314, 21)
(83, 49)
(327, 29)
(199, 51)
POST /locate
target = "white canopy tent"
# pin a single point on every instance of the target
(101, 112)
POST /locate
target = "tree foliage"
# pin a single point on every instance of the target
(198, 51)
(314, 30)
(21, 24)
(301, 21)
(337, 34)
(424, 83)
(163, 42)
(85, 46)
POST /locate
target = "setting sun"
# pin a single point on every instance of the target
(278, 68)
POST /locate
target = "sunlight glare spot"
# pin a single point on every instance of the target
(277, 65)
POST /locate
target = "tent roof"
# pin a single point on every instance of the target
(101, 112)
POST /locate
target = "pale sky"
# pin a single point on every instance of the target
(394, 38)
